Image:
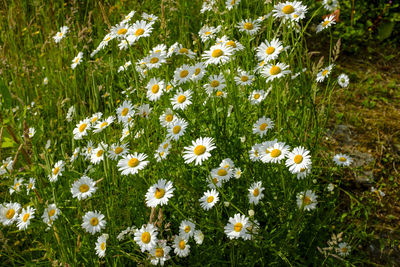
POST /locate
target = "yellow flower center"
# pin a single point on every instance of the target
(133, 162)
(139, 32)
(94, 221)
(244, 78)
(82, 127)
(10, 213)
(51, 212)
(325, 23)
(103, 124)
(184, 51)
(270, 50)
(30, 185)
(231, 43)
(219, 93)
(159, 193)
(93, 120)
(169, 118)
(26, 217)
(275, 70)
(298, 159)
(182, 244)
(256, 96)
(155, 88)
(288, 9)
(248, 26)
(99, 153)
(146, 237)
(210, 199)
(187, 229)
(181, 99)
(154, 60)
(222, 172)
(214, 83)
(217, 53)
(256, 192)
(56, 170)
(307, 200)
(103, 246)
(199, 150)
(238, 227)
(124, 112)
(166, 146)
(16, 186)
(207, 33)
(344, 250)
(215, 180)
(60, 34)
(263, 126)
(168, 87)
(159, 252)
(77, 60)
(84, 188)
(275, 153)
(342, 159)
(184, 73)
(118, 150)
(176, 129)
(121, 31)
(325, 72)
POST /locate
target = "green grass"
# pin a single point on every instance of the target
(300, 109)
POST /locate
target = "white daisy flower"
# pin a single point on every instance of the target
(343, 249)
(159, 193)
(125, 66)
(56, 171)
(237, 226)
(307, 200)
(176, 129)
(222, 173)
(209, 199)
(161, 48)
(230, 4)
(149, 17)
(268, 51)
(343, 80)
(186, 229)
(243, 78)
(30, 185)
(24, 219)
(83, 188)
(132, 164)
(120, 31)
(198, 70)
(87, 151)
(181, 50)
(96, 116)
(75, 154)
(217, 54)
(9, 213)
(144, 110)
(183, 74)
(198, 237)
(182, 99)
(61, 34)
(117, 151)
(128, 17)
(257, 96)
(160, 253)
(77, 60)
(290, 11)
(214, 182)
(93, 222)
(81, 129)
(125, 133)
(249, 26)
(101, 245)
(31, 132)
(97, 154)
(324, 73)
(255, 193)
(17, 185)
(101, 125)
(237, 173)
(138, 30)
(262, 125)
(277, 152)
(182, 248)
(274, 71)
(155, 60)
(199, 150)
(208, 33)
(255, 152)
(342, 160)
(215, 83)
(146, 237)
(330, 5)
(299, 158)
(50, 214)
(328, 21)
(155, 88)
(167, 117)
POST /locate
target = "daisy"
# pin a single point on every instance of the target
(289, 11)
(132, 164)
(199, 150)
(198, 237)
(214, 182)
(159, 254)
(343, 80)
(255, 193)
(24, 219)
(125, 133)
(138, 30)
(237, 173)
(176, 129)
(61, 34)
(208, 33)
(159, 193)
(236, 46)
(75, 154)
(161, 154)
(117, 151)
(207, 6)
(330, 5)
(98, 153)
(222, 173)
(128, 17)
(83, 188)
(324, 73)
(198, 70)
(342, 160)
(298, 159)
(227, 164)
(155, 88)
(101, 245)
(101, 125)
(257, 96)
(181, 50)
(243, 78)
(183, 74)
(328, 21)
(307, 200)
(161, 48)
(344, 249)
(125, 66)
(17, 185)
(56, 171)
(277, 152)
(87, 151)
(209, 199)
(303, 173)
(215, 83)
(81, 129)
(167, 117)
(255, 152)
(50, 213)
(45, 81)
(155, 60)
(249, 26)
(149, 17)
(31, 132)
(9, 213)
(237, 226)
(186, 229)
(93, 222)
(182, 99)
(251, 230)
(231, 3)
(274, 71)
(144, 110)
(30, 185)
(96, 116)
(77, 60)
(146, 237)
(262, 126)
(217, 54)
(172, 49)
(181, 246)
(7, 165)
(268, 51)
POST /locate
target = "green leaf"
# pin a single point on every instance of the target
(385, 30)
